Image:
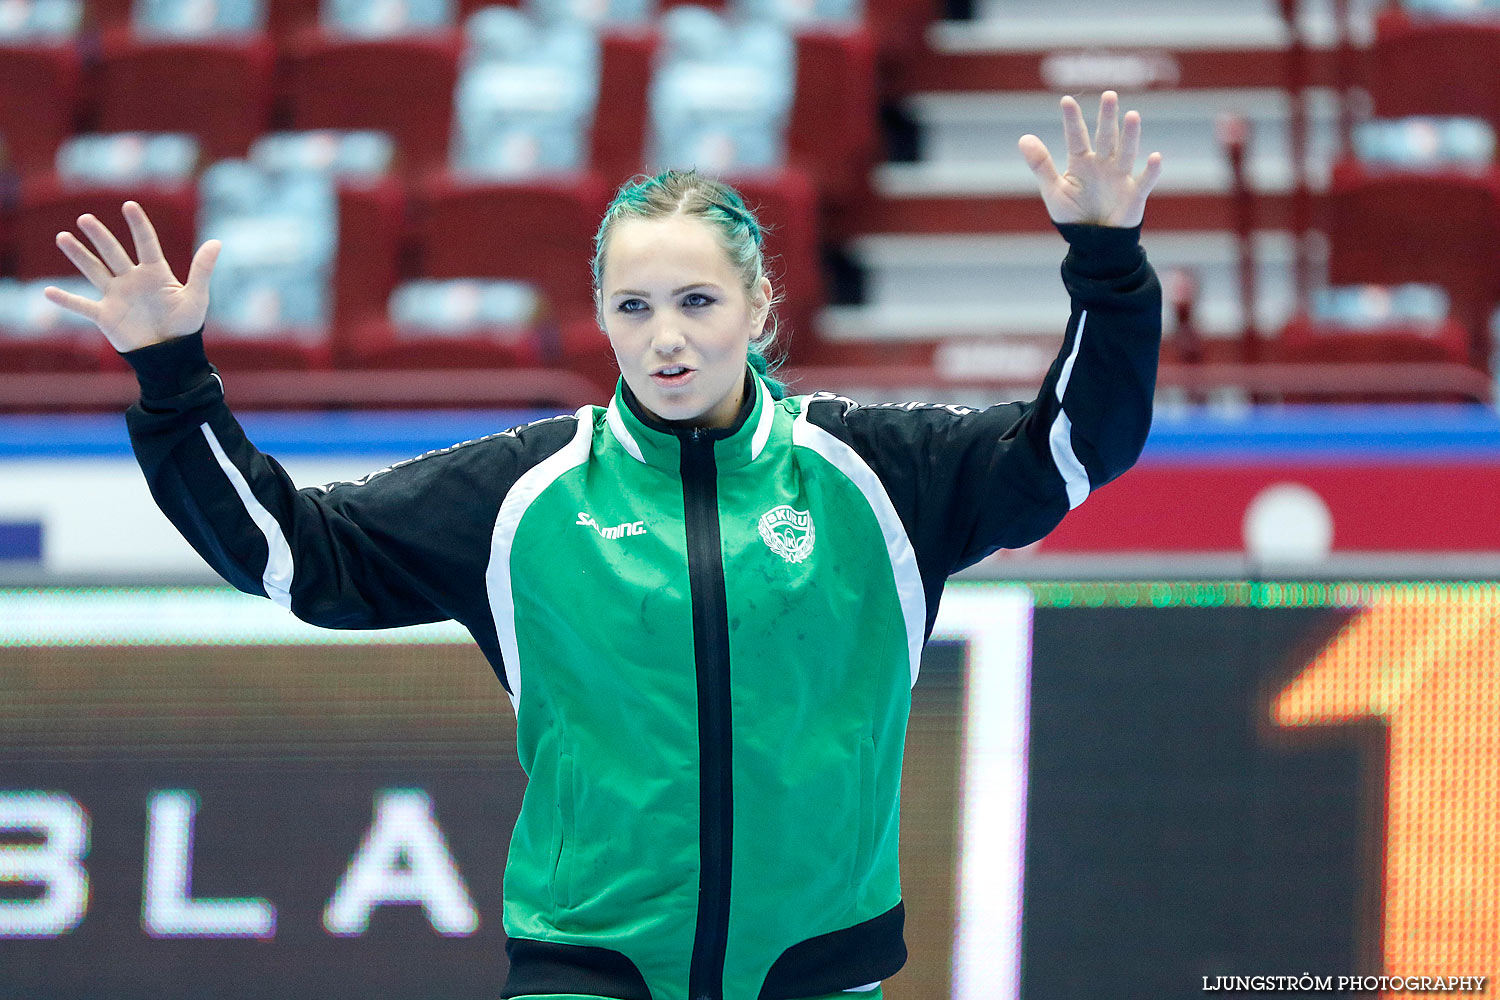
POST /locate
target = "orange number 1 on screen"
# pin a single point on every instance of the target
(1429, 666)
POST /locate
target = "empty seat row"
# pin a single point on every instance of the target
(1422, 177)
(284, 19)
(226, 91)
(327, 262)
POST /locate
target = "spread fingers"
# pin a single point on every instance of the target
(114, 256)
(1075, 130)
(87, 264)
(1107, 133)
(147, 249)
(86, 308)
(1130, 141)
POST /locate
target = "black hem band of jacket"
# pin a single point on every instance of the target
(854, 956)
(840, 960)
(538, 967)
(1101, 251)
(171, 367)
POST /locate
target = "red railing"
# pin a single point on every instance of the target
(1262, 381)
(546, 388)
(287, 390)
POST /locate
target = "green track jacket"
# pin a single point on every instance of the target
(709, 637)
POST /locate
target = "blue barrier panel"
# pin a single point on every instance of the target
(1435, 432)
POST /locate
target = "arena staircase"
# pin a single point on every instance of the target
(955, 251)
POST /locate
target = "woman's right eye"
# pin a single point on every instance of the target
(630, 305)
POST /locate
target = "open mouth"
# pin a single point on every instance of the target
(674, 375)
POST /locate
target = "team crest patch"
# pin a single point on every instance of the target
(788, 532)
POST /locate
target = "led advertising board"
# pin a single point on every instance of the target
(1144, 789)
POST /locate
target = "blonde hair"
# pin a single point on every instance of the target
(689, 193)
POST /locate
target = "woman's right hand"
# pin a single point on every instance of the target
(142, 303)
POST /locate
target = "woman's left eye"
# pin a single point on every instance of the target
(697, 299)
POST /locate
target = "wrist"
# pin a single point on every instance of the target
(1096, 251)
(170, 367)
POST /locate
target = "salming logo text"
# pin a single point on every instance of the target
(619, 530)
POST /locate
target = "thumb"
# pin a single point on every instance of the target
(203, 266)
(1038, 158)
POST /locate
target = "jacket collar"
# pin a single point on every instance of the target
(649, 440)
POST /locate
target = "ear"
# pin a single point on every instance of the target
(761, 307)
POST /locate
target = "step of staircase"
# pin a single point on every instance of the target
(951, 210)
(1073, 68)
(968, 140)
(921, 287)
(1016, 25)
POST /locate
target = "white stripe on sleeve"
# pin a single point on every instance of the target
(1075, 476)
(277, 579)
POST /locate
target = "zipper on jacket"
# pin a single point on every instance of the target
(700, 494)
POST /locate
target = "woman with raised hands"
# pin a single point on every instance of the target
(706, 598)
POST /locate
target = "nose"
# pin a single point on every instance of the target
(667, 340)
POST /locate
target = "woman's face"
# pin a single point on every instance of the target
(678, 318)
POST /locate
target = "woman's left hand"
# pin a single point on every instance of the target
(1097, 188)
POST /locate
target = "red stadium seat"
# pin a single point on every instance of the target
(283, 17)
(786, 203)
(46, 208)
(1395, 227)
(77, 351)
(80, 349)
(218, 90)
(467, 7)
(1305, 340)
(899, 27)
(375, 343)
(287, 19)
(107, 15)
(1446, 67)
(831, 133)
(586, 350)
(233, 353)
(627, 58)
(538, 231)
(403, 86)
(371, 221)
(575, 342)
(39, 95)
(1302, 341)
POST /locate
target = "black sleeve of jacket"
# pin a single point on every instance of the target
(402, 546)
(967, 482)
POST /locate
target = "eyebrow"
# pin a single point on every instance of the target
(675, 291)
